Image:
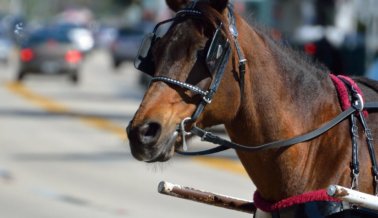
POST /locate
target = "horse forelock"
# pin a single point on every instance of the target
(213, 17)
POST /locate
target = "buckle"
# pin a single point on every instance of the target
(358, 102)
(204, 136)
(233, 30)
(355, 180)
(184, 133)
(207, 99)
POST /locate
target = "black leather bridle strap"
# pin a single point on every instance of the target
(226, 144)
(213, 87)
(355, 164)
(204, 152)
(369, 140)
(242, 59)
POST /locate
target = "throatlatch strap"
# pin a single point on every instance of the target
(242, 59)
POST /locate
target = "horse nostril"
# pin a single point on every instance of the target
(149, 133)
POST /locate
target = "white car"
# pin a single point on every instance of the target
(82, 38)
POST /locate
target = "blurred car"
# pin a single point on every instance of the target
(83, 39)
(49, 51)
(340, 51)
(79, 35)
(126, 45)
(5, 48)
(104, 36)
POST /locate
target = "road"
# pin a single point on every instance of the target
(64, 152)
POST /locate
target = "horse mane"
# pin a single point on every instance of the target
(289, 58)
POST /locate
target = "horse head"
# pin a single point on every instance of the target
(183, 55)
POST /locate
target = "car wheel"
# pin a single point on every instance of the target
(74, 77)
(21, 76)
(117, 64)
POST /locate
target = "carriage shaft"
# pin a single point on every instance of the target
(354, 197)
(206, 197)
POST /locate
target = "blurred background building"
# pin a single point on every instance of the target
(342, 34)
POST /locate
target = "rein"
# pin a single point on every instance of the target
(226, 144)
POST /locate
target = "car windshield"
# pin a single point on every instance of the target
(43, 36)
(130, 32)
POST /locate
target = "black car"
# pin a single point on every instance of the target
(50, 52)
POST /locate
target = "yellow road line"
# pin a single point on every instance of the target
(222, 164)
(56, 108)
(105, 125)
(41, 101)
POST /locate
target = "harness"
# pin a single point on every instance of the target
(217, 58)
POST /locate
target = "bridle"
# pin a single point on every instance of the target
(217, 58)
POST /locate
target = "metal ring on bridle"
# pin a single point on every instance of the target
(184, 133)
(182, 125)
(359, 102)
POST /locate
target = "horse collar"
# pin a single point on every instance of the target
(327, 205)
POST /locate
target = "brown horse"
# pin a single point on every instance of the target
(281, 95)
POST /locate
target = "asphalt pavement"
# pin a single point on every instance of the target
(64, 151)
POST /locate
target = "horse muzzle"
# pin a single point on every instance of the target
(147, 143)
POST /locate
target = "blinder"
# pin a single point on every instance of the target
(217, 50)
(215, 53)
(144, 61)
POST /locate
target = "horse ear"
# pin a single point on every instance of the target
(219, 5)
(177, 5)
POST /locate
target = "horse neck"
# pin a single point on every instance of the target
(279, 102)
